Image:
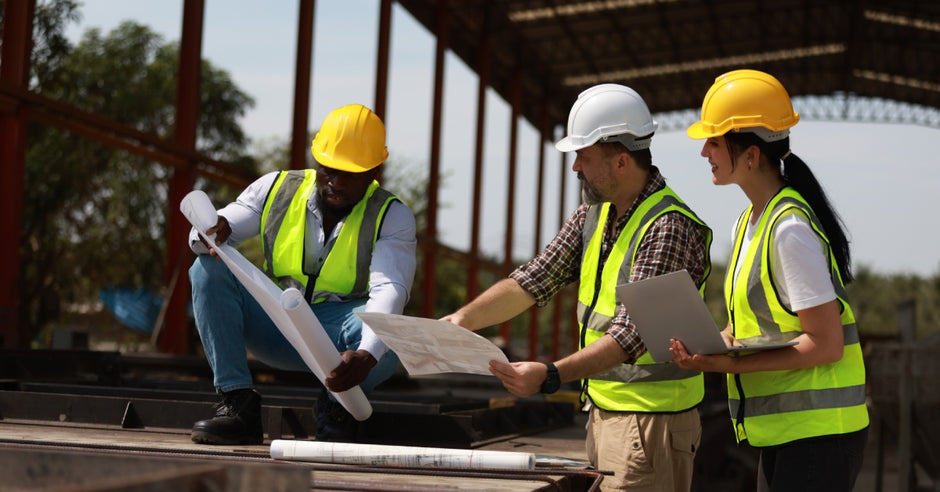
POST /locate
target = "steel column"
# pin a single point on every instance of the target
(381, 64)
(428, 281)
(556, 329)
(575, 329)
(537, 243)
(381, 61)
(300, 130)
(483, 72)
(907, 321)
(504, 329)
(175, 338)
(14, 69)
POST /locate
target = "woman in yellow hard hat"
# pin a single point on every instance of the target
(803, 406)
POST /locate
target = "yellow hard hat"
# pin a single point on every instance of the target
(352, 139)
(746, 100)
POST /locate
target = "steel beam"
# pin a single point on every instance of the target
(504, 328)
(429, 278)
(483, 73)
(381, 58)
(82, 388)
(175, 334)
(537, 242)
(300, 132)
(117, 135)
(466, 423)
(14, 69)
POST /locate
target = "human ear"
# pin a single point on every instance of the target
(753, 153)
(623, 160)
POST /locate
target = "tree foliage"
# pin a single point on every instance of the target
(876, 298)
(94, 216)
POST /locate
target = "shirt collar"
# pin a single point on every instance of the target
(655, 183)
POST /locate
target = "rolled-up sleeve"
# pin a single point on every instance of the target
(243, 215)
(673, 242)
(558, 265)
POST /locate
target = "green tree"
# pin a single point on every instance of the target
(95, 216)
(875, 299)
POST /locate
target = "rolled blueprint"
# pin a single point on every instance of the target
(320, 349)
(407, 456)
(306, 337)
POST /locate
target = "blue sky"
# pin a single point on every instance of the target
(882, 178)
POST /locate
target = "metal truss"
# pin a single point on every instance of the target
(833, 107)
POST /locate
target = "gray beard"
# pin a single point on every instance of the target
(588, 195)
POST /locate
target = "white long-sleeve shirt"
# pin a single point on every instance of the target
(393, 258)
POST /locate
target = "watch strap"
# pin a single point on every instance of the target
(552, 380)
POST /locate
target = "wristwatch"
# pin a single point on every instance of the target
(552, 381)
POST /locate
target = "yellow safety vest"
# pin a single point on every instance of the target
(775, 407)
(345, 272)
(645, 386)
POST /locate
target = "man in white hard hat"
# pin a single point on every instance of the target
(643, 422)
(334, 234)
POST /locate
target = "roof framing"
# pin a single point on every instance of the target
(670, 51)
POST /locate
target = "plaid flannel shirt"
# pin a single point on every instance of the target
(673, 242)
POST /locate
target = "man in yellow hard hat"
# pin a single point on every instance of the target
(334, 234)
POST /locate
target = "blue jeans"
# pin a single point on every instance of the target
(231, 322)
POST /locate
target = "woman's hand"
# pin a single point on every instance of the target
(698, 362)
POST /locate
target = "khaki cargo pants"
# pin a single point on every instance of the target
(645, 451)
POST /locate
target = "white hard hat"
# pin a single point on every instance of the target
(608, 113)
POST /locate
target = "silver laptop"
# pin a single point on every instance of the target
(669, 306)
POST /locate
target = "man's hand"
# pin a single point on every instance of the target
(222, 231)
(455, 318)
(520, 378)
(351, 371)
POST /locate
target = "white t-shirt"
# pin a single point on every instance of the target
(800, 261)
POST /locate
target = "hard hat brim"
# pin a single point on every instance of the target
(569, 144)
(346, 165)
(698, 131)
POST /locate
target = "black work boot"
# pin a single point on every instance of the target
(237, 420)
(334, 423)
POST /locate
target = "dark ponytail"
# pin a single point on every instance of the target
(798, 175)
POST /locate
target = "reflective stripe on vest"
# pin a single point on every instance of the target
(644, 386)
(776, 407)
(345, 272)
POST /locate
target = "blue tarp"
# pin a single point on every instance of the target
(137, 309)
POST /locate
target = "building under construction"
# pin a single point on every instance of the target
(76, 418)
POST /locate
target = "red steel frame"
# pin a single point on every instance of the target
(18, 106)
